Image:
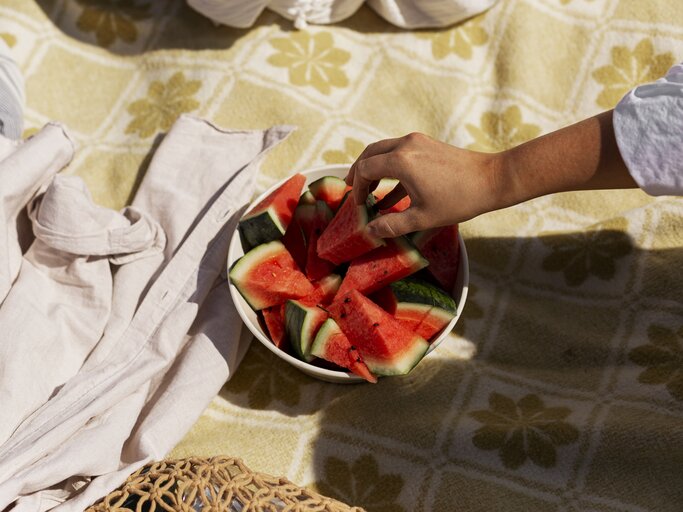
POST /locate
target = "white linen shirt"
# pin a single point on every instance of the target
(402, 13)
(648, 124)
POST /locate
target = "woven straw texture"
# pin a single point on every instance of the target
(215, 484)
(562, 385)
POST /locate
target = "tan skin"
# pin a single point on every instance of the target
(448, 185)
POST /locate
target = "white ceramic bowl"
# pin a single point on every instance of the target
(251, 321)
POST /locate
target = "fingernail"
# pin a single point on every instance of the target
(372, 230)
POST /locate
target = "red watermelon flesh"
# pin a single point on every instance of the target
(274, 317)
(346, 238)
(385, 186)
(295, 242)
(423, 319)
(269, 219)
(441, 248)
(283, 199)
(268, 275)
(400, 206)
(325, 290)
(386, 346)
(317, 267)
(332, 345)
(381, 266)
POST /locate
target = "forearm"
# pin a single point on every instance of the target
(583, 156)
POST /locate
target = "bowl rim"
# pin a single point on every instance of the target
(323, 373)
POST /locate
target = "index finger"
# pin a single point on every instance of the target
(376, 148)
(368, 171)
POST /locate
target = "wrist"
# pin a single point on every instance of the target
(505, 180)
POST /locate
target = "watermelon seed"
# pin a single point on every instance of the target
(343, 315)
(353, 347)
(347, 300)
(358, 359)
(375, 324)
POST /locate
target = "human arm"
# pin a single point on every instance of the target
(448, 185)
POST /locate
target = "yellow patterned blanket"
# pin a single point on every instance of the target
(562, 386)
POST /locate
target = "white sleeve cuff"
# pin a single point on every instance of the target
(648, 124)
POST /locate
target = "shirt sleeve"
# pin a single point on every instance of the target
(648, 124)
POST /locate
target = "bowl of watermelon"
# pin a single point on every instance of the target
(330, 299)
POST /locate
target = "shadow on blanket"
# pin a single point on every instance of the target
(555, 326)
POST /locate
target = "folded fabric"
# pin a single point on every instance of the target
(648, 123)
(12, 95)
(171, 335)
(403, 13)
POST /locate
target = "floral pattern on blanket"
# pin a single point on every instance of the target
(560, 387)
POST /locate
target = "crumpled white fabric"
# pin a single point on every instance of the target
(158, 334)
(648, 124)
(403, 13)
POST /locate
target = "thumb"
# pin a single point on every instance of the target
(394, 224)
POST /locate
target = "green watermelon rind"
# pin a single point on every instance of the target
(298, 318)
(399, 364)
(307, 198)
(261, 228)
(243, 265)
(319, 345)
(424, 309)
(414, 290)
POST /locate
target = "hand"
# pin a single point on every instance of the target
(446, 184)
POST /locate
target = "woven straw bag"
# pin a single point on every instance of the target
(216, 484)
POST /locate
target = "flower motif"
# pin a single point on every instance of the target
(361, 483)
(110, 20)
(163, 105)
(521, 430)
(265, 380)
(352, 149)
(662, 359)
(459, 40)
(628, 69)
(10, 39)
(501, 131)
(585, 253)
(471, 311)
(311, 59)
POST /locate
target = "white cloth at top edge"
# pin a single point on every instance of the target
(171, 335)
(648, 124)
(403, 13)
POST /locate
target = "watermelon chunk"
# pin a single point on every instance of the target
(346, 238)
(385, 186)
(317, 267)
(386, 346)
(381, 266)
(268, 275)
(329, 189)
(420, 306)
(332, 345)
(427, 321)
(302, 323)
(413, 290)
(295, 242)
(307, 198)
(268, 220)
(274, 318)
(325, 290)
(441, 248)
